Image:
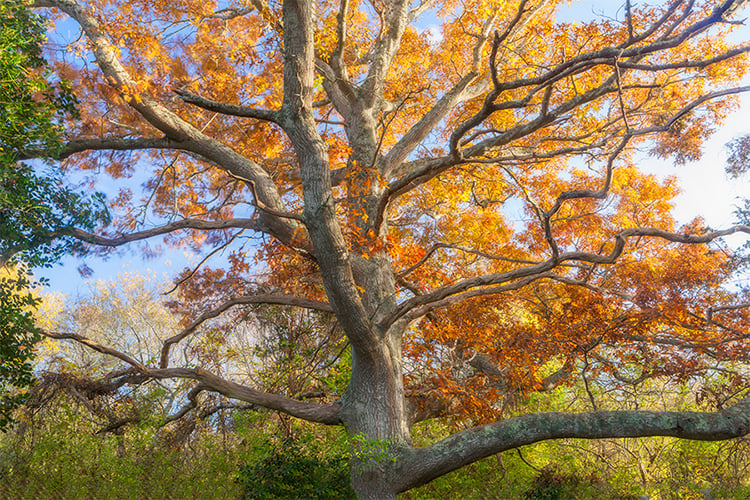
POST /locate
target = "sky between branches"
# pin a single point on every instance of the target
(707, 191)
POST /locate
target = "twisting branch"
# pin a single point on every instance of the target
(193, 224)
(97, 347)
(313, 412)
(192, 403)
(432, 168)
(598, 194)
(104, 144)
(491, 284)
(460, 92)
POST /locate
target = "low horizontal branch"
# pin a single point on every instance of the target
(460, 449)
(313, 412)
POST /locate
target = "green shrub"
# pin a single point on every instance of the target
(288, 471)
(554, 484)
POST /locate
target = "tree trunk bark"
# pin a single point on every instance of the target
(374, 412)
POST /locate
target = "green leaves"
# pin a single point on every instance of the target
(290, 471)
(34, 209)
(17, 338)
(30, 101)
(738, 158)
(37, 213)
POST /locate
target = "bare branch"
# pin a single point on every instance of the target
(312, 412)
(227, 109)
(194, 224)
(691, 64)
(105, 143)
(280, 299)
(732, 307)
(322, 413)
(192, 403)
(598, 194)
(430, 169)
(203, 261)
(97, 347)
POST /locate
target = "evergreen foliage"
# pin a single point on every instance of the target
(34, 208)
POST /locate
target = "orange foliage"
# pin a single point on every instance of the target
(483, 216)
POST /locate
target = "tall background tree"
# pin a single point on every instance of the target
(464, 203)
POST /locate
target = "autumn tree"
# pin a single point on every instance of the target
(455, 183)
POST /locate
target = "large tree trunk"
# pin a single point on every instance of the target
(375, 415)
(374, 408)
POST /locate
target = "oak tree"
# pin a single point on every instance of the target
(456, 184)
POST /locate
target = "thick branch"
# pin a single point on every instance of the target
(312, 412)
(322, 413)
(406, 145)
(194, 224)
(463, 448)
(97, 347)
(396, 18)
(105, 144)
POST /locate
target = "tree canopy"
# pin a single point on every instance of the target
(454, 185)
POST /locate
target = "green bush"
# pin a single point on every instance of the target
(555, 484)
(294, 470)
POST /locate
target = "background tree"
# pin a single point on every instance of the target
(32, 103)
(467, 206)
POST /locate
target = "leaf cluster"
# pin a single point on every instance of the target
(31, 103)
(17, 338)
(34, 207)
